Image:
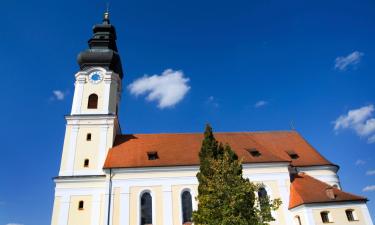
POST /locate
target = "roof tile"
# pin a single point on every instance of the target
(305, 189)
(183, 149)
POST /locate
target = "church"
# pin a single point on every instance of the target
(110, 178)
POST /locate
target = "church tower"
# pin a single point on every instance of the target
(93, 122)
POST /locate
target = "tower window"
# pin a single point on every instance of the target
(93, 102)
(86, 163)
(325, 217)
(152, 155)
(80, 205)
(88, 137)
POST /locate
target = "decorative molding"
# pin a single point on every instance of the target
(95, 211)
(195, 168)
(312, 168)
(62, 192)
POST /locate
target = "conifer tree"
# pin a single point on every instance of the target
(224, 196)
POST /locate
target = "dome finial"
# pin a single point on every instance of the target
(106, 15)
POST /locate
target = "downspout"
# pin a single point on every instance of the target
(109, 196)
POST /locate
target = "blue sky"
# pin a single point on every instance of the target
(240, 65)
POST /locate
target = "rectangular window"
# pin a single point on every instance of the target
(80, 205)
(86, 163)
(325, 217)
(350, 215)
(88, 137)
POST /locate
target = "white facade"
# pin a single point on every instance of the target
(100, 123)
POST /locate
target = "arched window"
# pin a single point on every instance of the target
(93, 102)
(80, 205)
(350, 215)
(325, 217)
(187, 207)
(146, 209)
(263, 200)
(263, 197)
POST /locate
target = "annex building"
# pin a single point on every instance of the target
(110, 178)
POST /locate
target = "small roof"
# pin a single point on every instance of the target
(182, 149)
(305, 189)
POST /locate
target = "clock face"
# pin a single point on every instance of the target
(95, 77)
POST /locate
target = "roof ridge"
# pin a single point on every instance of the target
(216, 132)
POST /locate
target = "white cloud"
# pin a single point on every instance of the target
(343, 62)
(360, 120)
(369, 188)
(260, 103)
(167, 89)
(360, 162)
(371, 139)
(14, 224)
(370, 172)
(58, 95)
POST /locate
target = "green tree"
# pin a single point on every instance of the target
(224, 196)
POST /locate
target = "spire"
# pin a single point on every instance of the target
(102, 48)
(106, 16)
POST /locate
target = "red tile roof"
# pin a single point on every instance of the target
(305, 189)
(183, 149)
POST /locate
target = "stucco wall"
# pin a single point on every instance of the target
(338, 215)
(80, 217)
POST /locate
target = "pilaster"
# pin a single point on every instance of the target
(64, 210)
(69, 168)
(78, 94)
(95, 211)
(167, 205)
(284, 192)
(125, 206)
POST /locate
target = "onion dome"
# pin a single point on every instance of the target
(102, 49)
